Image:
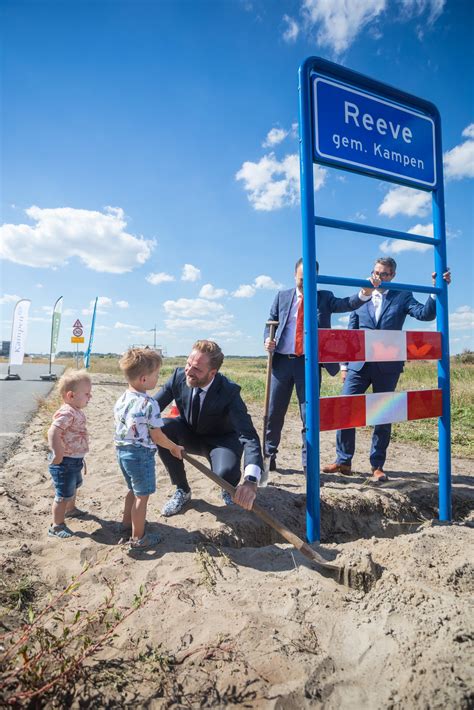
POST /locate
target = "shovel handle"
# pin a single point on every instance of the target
(289, 536)
(273, 325)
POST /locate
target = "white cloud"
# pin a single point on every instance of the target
(159, 278)
(190, 273)
(338, 22)
(260, 282)
(292, 29)
(208, 291)
(395, 246)
(405, 200)
(272, 184)
(274, 136)
(202, 324)
(9, 298)
(103, 302)
(122, 304)
(244, 291)
(98, 239)
(39, 285)
(127, 326)
(462, 318)
(192, 308)
(344, 319)
(267, 283)
(459, 162)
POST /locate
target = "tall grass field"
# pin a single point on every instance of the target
(250, 374)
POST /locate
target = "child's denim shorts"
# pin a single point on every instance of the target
(67, 477)
(137, 464)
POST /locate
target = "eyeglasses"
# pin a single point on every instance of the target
(381, 274)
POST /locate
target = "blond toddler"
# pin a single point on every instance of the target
(69, 443)
(137, 433)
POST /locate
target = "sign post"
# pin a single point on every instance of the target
(77, 337)
(353, 122)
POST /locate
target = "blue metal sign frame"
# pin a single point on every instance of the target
(373, 91)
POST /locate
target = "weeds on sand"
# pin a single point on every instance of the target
(46, 657)
(209, 566)
(17, 594)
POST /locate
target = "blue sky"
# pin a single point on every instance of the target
(149, 157)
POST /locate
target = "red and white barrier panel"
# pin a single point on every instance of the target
(357, 410)
(377, 345)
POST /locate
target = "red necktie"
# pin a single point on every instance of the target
(299, 328)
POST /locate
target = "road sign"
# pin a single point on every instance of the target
(358, 130)
(75, 339)
(77, 332)
(77, 324)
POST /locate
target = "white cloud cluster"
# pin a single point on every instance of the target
(396, 246)
(122, 304)
(462, 318)
(9, 298)
(190, 273)
(159, 278)
(208, 291)
(274, 136)
(292, 29)
(459, 162)
(405, 200)
(192, 308)
(98, 239)
(272, 184)
(338, 22)
(260, 282)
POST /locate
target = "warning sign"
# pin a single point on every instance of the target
(77, 324)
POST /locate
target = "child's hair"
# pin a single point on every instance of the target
(71, 380)
(139, 361)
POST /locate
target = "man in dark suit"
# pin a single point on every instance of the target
(387, 310)
(213, 422)
(288, 359)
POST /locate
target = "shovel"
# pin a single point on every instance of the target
(354, 578)
(266, 459)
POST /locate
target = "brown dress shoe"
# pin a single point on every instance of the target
(343, 468)
(378, 476)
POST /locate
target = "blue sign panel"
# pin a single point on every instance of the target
(356, 130)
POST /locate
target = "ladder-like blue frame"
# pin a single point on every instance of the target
(311, 278)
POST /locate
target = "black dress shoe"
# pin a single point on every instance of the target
(273, 464)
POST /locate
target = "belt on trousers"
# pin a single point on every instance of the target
(290, 357)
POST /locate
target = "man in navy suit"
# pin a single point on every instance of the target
(213, 422)
(386, 310)
(288, 359)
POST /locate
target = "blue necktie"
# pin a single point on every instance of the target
(196, 408)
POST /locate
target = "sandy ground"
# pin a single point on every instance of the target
(235, 616)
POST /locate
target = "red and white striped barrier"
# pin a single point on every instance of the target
(358, 410)
(377, 345)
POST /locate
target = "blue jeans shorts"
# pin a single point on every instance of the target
(137, 464)
(67, 477)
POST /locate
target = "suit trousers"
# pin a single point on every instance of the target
(287, 372)
(223, 453)
(358, 382)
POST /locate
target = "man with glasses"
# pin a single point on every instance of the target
(386, 310)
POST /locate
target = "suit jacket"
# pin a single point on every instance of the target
(397, 305)
(327, 304)
(223, 418)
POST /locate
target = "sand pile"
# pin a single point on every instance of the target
(235, 617)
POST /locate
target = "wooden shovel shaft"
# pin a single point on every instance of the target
(293, 539)
(273, 325)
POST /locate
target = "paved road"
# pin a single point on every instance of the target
(19, 400)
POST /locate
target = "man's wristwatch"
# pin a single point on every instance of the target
(252, 479)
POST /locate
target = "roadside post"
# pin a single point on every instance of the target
(77, 337)
(353, 122)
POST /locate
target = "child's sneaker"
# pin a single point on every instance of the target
(61, 531)
(175, 504)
